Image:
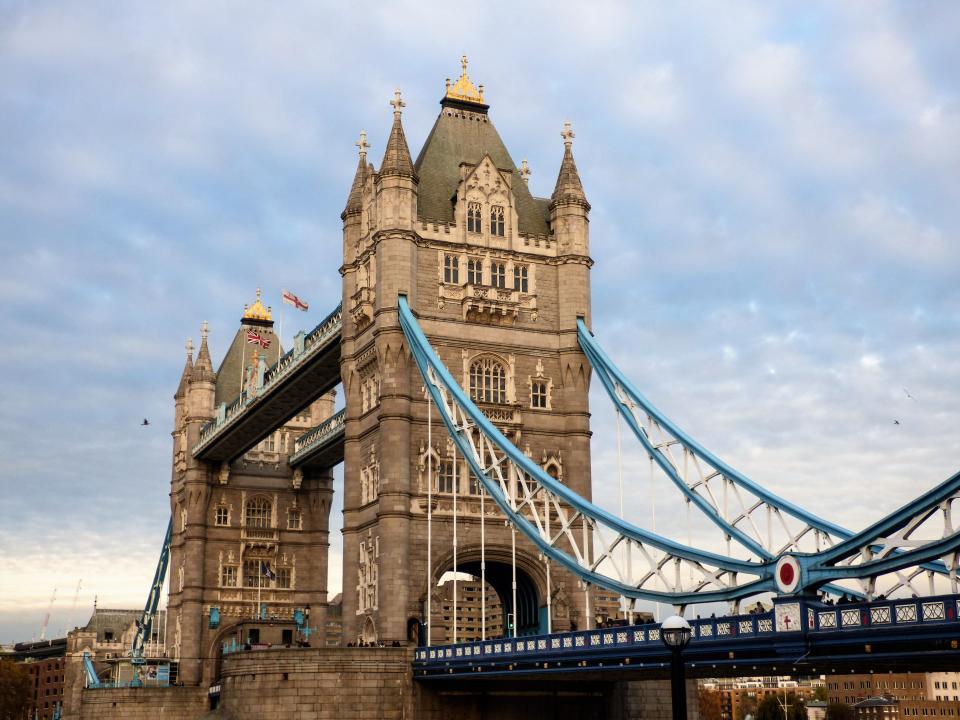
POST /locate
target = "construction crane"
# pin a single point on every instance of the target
(73, 607)
(145, 621)
(46, 617)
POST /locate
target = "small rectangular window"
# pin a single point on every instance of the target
(496, 220)
(223, 516)
(520, 278)
(474, 271)
(473, 217)
(451, 269)
(538, 395)
(283, 577)
(228, 576)
(498, 275)
(294, 519)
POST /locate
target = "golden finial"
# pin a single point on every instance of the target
(464, 89)
(257, 311)
(567, 134)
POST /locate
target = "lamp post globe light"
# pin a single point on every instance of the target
(675, 633)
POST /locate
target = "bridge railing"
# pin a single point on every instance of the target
(600, 639)
(316, 436)
(883, 613)
(305, 346)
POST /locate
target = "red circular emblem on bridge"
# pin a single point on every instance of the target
(787, 574)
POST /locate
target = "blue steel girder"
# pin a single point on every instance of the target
(145, 621)
(697, 472)
(306, 372)
(631, 561)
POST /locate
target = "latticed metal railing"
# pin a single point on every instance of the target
(305, 347)
(316, 436)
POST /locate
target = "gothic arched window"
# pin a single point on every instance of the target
(496, 220)
(488, 381)
(473, 217)
(257, 513)
(474, 271)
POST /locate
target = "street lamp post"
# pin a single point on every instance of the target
(675, 633)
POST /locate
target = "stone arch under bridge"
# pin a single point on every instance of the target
(531, 610)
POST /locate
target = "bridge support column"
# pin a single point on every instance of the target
(651, 700)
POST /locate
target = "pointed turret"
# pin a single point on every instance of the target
(187, 372)
(396, 158)
(203, 368)
(355, 198)
(569, 189)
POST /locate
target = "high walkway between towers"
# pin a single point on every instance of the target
(306, 372)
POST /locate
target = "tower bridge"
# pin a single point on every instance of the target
(463, 351)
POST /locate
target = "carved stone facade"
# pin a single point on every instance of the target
(246, 531)
(497, 278)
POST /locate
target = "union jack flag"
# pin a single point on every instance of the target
(255, 338)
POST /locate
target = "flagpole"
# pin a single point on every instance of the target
(280, 337)
(243, 358)
(259, 585)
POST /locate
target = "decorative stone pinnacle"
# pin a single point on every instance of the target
(204, 331)
(525, 170)
(362, 143)
(567, 134)
(189, 347)
(397, 103)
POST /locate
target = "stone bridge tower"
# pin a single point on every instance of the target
(497, 278)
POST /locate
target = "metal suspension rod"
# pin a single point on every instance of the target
(455, 483)
(429, 515)
(513, 554)
(626, 546)
(549, 608)
(483, 565)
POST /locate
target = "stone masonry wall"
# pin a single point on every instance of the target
(336, 683)
(176, 703)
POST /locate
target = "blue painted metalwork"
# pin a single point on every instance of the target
(145, 621)
(93, 681)
(441, 385)
(861, 630)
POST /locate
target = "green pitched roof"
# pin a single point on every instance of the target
(460, 136)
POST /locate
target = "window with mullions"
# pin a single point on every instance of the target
(283, 577)
(258, 513)
(538, 394)
(222, 517)
(253, 574)
(445, 476)
(520, 278)
(473, 217)
(451, 269)
(496, 220)
(488, 381)
(498, 275)
(474, 271)
(294, 519)
(228, 576)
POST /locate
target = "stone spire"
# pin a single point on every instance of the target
(203, 368)
(569, 188)
(396, 159)
(187, 371)
(355, 199)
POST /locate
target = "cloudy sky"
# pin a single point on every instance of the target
(775, 198)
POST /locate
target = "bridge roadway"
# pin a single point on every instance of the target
(897, 635)
(306, 372)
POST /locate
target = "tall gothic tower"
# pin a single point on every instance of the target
(234, 520)
(497, 278)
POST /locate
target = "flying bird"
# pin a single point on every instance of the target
(896, 422)
(907, 393)
(145, 422)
